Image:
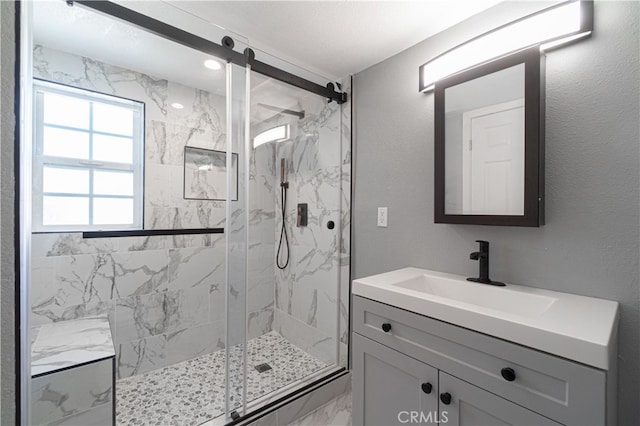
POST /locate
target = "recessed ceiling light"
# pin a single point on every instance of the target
(177, 105)
(212, 64)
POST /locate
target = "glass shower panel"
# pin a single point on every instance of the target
(236, 241)
(293, 238)
(153, 125)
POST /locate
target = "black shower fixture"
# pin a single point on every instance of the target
(284, 185)
(228, 42)
(299, 114)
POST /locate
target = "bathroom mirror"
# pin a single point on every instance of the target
(489, 143)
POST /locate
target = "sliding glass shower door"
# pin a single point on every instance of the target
(292, 217)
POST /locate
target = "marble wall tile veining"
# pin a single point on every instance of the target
(160, 313)
(63, 394)
(83, 278)
(306, 337)
(318, 398)
(335, 413)
(217, 302)
(49, 312)
(69, 343)
(195, 341)
(260, 322)
(194, 267)
(140, 272)
(101, 415)
(139, 356)
(51, 244)
(155, 352)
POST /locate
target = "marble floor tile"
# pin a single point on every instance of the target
(335, 413)
(192, 392)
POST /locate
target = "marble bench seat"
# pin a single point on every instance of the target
(72, 370)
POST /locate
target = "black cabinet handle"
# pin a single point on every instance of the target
(386, 327)
(445, 398)
(426, 387)
(331, 224)
(508, 374)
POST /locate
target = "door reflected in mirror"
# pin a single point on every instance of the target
(484, 144)
(489, 144)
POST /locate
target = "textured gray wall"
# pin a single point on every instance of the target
(589, 245)
(7, 273)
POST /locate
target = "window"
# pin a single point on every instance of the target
(87, 160)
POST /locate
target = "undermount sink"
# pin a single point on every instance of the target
(497, 298)
(575, 327)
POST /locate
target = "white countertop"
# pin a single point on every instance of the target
(70, 343)
(579, 328)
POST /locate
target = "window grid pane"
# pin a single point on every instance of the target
(59, 142)
(114, 149)
(57, 210)
(65, 180)
(112, 119)
(112, 211)
(65, 110)
(107, 182)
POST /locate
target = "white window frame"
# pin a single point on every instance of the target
(40, 160)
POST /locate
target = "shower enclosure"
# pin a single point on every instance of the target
(155, 165)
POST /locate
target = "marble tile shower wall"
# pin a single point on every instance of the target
(312, 295)
(262, 242)
(164, 296)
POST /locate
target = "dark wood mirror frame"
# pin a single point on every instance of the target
(533, 144)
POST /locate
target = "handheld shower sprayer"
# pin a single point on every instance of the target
(283, 168)
(284, 185)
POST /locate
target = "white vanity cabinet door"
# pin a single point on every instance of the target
(390, 388)
(470, 405)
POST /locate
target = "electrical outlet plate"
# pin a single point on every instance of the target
(382, 217)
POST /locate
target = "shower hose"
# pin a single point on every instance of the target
(283, 232)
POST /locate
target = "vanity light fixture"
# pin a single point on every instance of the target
(550, 28)
(212, 64)
(275, 134)
(177, 105)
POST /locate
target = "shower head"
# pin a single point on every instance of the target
(299, 114)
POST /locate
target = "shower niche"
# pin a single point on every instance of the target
(205, 324)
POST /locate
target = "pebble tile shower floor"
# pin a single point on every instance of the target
(192, 392)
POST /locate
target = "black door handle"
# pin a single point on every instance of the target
(445, 398)
(386, 327)
(426, 387)
(508, 374)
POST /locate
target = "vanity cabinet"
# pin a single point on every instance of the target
(473, 406)
(390, 385)
(475, 378)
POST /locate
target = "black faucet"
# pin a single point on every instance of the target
(483, 257)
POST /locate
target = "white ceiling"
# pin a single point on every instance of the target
(335, 38)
